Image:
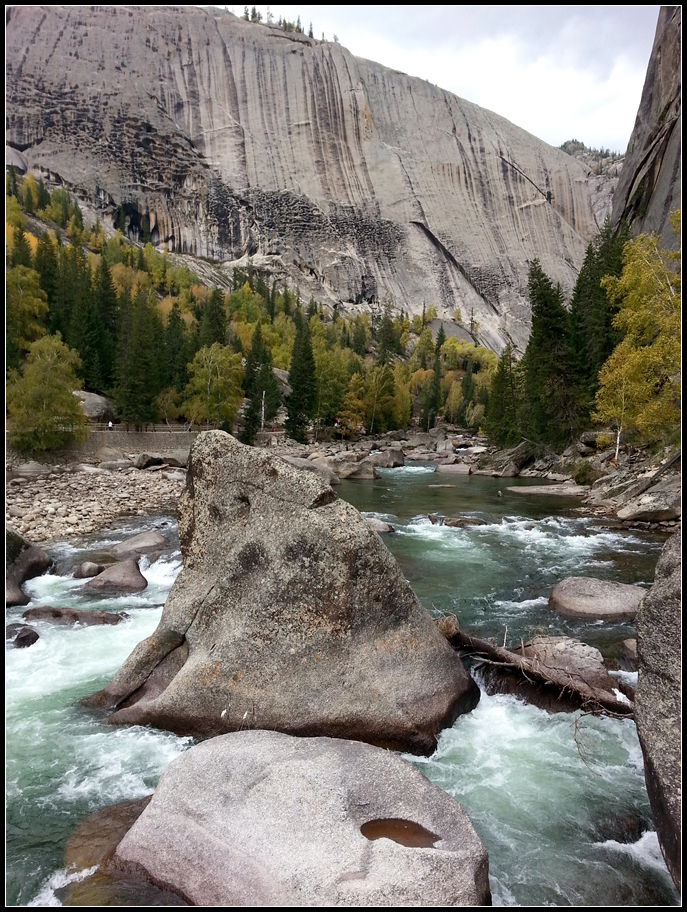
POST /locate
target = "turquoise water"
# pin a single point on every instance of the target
(562, 825)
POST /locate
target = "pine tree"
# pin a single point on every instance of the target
(302, 382)
(45, 264)
(501, 413)
(105, 298)
(441, 338)
(213, 325)
(549, 375)
(386, 343)
(21, 252)
(592, 334)
(359, 338)
(175, 344)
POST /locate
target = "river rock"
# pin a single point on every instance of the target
(378, 525)
(458, 468)
(289, 614)
(260, 818)
(595, 599)
(145, 460)
(70, 616)
(462, 522)
(20, 636)
(145, 543)
(570, 656)
(87, 569)
(120, 579)
(314, 465)
(95, 407)
(660, 503)
(556, 490)
(24, 561)
(658, 700)
(628, 655)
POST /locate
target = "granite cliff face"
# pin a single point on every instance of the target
(651, 183)
(354, 181)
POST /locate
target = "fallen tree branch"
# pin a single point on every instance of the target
(593, 699)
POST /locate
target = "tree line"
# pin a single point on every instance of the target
(611, 358)
(128, 323)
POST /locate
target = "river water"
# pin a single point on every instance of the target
(566, 821)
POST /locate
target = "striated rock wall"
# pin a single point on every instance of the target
(651, 182)
(355, 181)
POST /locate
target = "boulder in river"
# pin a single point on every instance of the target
(289, 614)
(24, 561)
(70, 616)
(88, 569)
(658, 700)
(595, 599)
(144, 543)
(121, 578)
(260, 818)
(20, 635)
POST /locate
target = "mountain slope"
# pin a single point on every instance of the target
(355, 181)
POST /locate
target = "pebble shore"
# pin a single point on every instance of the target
(63, 505)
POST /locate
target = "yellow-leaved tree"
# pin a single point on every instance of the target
(640, 385)
(213, 393)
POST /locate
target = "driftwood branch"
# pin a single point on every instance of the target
(597, 701)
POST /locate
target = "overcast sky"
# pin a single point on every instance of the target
(560, 72)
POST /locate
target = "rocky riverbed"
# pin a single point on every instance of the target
(50, 504)
(61, 501)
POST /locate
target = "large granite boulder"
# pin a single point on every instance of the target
(95, 407)
(289, 614)
(658, 700)
(661, 502)
(260, 818)
(595, 599)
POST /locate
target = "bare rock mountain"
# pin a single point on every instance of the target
(650, 186)
(353, 180)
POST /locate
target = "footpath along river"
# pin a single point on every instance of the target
(563, 824)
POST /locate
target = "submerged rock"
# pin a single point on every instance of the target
(261, 818)
(658, 700)
(70, 616)
(289, 614)
(595, 599)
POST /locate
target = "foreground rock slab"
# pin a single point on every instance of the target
(595, 599)
(658, 701)
(289, 614)
(261, 818)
